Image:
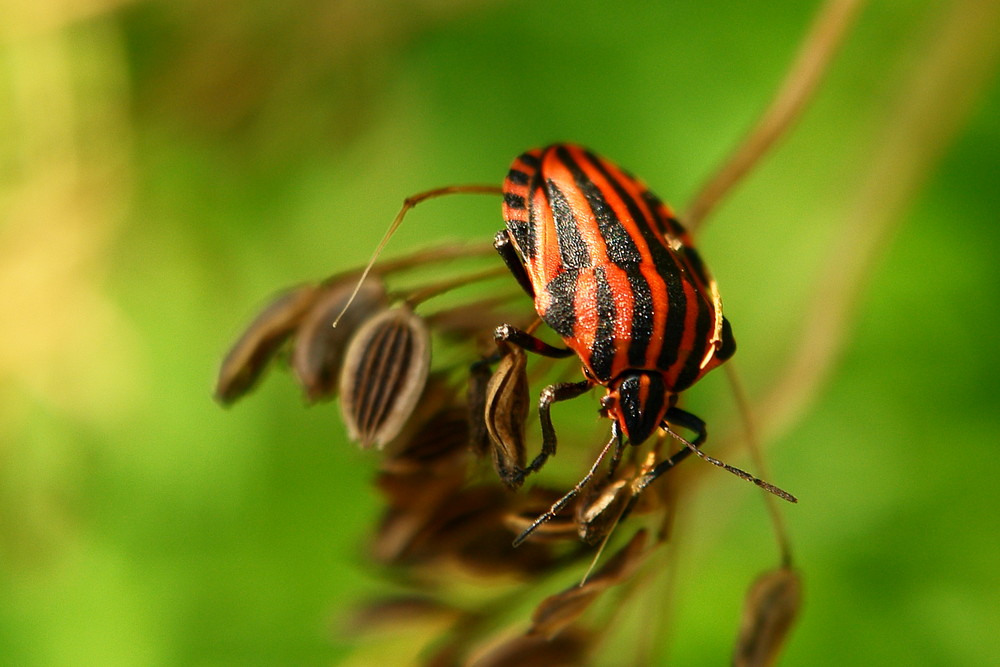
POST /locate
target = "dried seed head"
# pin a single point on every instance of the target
(567, 650)
(319, 346)
(560, 528)
(558, 611)
(506, 411)
(385, 370)
(771, 606)
(250, 355)
(440, 443)
(385, 615)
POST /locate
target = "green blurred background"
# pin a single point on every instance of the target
(168, 165)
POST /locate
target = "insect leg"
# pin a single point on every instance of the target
(508, 253)
(680, 418)
(688, 421)
(554, 393)
(506, 334)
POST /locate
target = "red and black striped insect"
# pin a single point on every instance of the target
(614, 273)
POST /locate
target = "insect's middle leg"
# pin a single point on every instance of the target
(507, 335)
(554, 393)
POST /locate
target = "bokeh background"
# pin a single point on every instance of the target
(166, 166)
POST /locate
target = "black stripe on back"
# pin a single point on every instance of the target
(572, 248)
(642, 318)
(528, 241)
(514, 201)
(666, 267)
(602, 354)
(620, 246)
(517, 177)
(692, 365)
(561, 313)
(524, 237)
(530, 160)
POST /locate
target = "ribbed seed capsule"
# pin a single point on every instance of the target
(249, 356)
(319, 346)
(506, 411)
(385, 370)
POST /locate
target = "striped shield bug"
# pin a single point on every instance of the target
(614, 273)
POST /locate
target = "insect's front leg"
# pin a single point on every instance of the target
(686, 420)
(689, 421)
(506, 334)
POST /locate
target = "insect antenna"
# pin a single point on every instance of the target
(409, 203)
(781, 493)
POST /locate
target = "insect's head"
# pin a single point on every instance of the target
(638, 401)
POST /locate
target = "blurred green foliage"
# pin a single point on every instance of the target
(167, 166)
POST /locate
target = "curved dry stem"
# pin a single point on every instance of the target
(957, 59)
(812, 63)
(428, 292)
(757, 456)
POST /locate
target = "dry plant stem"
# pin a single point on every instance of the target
(757, 455)
(956, 61)
(422, 294)
(811, 64)
(441, 253)
(409, 203)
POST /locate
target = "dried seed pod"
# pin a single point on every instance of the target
(558, 611)
(249, 356)
(386, 614)
(770, 609)
(385, 370)
(319, 346)
(475, 399)
(560, 528)
(599, 510)
(426, 529)
(440, 443)
(567, 650)
(506, 411)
